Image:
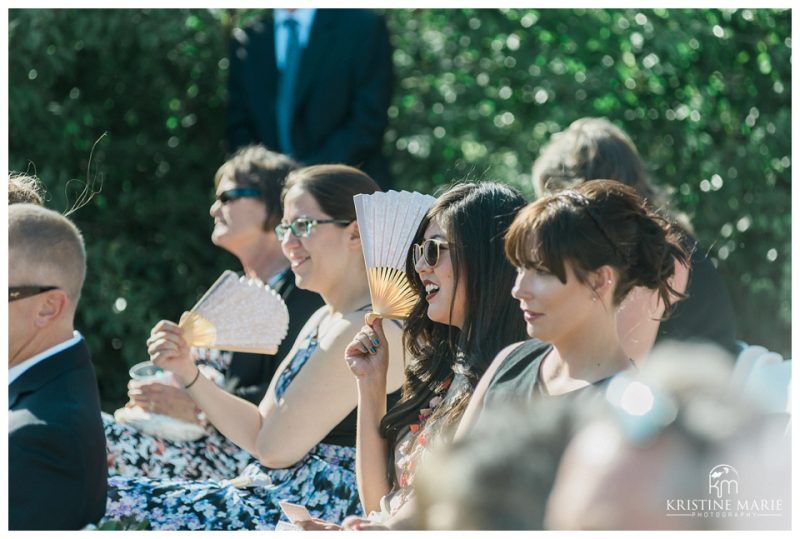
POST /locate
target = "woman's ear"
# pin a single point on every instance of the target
(602, 280)
(355, 235)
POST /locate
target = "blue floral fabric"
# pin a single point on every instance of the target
(324, 481)
(133, 453)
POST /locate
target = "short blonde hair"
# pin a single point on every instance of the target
(48, 246)
(24, 189)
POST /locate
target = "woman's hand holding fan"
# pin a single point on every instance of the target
(367, 356)
(170, 351)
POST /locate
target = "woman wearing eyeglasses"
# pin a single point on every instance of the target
(463, 318)
(579, 253)
(245, 212)
(303, 431)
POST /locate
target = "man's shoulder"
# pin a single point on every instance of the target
(253, 30)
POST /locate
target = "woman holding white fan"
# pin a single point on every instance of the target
(463, 317)
(303, 432)
(246, 209)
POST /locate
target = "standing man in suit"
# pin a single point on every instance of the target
(314, 84)
(56, 447)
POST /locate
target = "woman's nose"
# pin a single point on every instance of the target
(519, 290)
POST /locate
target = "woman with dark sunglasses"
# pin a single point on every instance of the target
(246, 209)
(463, 318)
(303, 431)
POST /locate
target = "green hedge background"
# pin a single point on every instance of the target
(705, 94)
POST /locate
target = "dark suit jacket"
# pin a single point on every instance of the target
(56, 447)
(343, 90)
(249, 375)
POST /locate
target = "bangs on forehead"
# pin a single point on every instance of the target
(533, 240)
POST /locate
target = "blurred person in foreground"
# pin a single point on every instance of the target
(652, 444)
(594, 148)
(680, 449)
(56, 449)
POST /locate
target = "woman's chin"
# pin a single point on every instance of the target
(435, 316)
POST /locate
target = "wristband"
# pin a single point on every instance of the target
(196, 376)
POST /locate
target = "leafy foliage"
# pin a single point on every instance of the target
(705, 94)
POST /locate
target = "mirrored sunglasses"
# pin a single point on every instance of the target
(429, 251)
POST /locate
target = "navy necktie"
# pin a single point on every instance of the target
(286, 86)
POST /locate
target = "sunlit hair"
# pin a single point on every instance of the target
(23, 188)
(592, 149)
(333, 188)
(256, 166)
(597, 223)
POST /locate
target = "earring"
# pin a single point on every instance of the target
(594, 298)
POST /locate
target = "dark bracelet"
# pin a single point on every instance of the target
(196, 376)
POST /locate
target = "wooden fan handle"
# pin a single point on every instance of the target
(371, 317)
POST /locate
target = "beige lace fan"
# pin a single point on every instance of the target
(237, 314)
(387, 223)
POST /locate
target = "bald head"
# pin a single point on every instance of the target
(45, 249)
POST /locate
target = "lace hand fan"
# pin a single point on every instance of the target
(387, 223)
(237, 314)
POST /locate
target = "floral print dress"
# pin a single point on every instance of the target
(133, 453)
(420, 438)
(324, 481)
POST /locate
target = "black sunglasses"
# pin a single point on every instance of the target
(237, 193)
(429, 251)
(22, 292)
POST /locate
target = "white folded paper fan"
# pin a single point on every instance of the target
(237, 314)
(388, 223)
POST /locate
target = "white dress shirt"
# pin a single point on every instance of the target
(18, 370)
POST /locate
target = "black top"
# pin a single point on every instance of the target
(57, 474)
(345, 432)
(249, 374)
(707, 313)
(516, 381)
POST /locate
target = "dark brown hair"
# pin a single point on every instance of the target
(597, 223)
(333, 187)
(256, 166)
